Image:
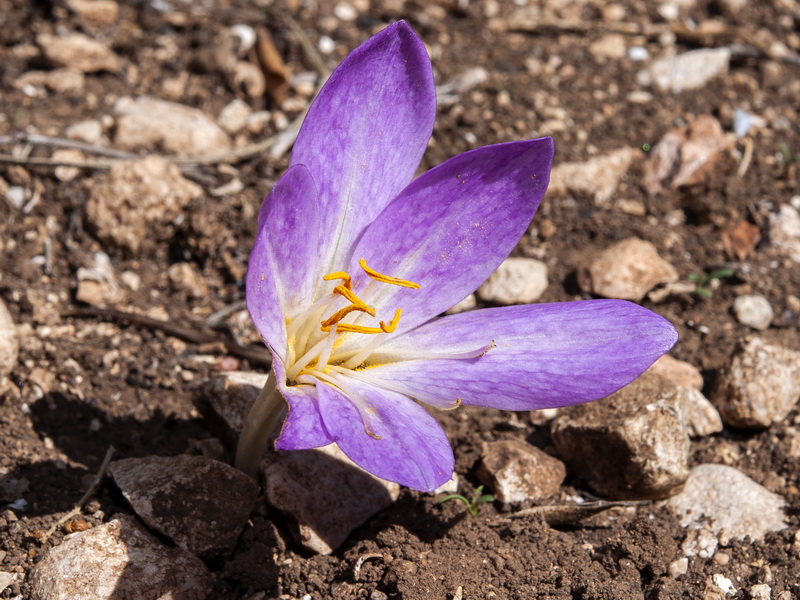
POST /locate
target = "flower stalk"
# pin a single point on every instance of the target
(258, 426)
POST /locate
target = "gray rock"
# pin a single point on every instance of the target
(516, 281)
(118, 560)
(679, 372)
(325, 494)
(150, 124)
(78, 51)
(753, 310)
(9, 341)
(517, 471)
(137, 199)
(231, 394)
(759, 387)
(728, 501)
(631, 445)
(199, 503)
(598, 176)
(628, 270)
(699, 415)
(784, 232)
(687, 71)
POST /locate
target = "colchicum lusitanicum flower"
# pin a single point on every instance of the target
(355, 259)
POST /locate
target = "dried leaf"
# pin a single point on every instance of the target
(275, 71)
(739, 240)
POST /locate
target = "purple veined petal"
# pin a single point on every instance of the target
(365, 134)
(390, 436)
(284, 264)
(544, 355)
(303, 427)
(451, 228)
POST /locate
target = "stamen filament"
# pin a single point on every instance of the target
(364, 353)
(387, 278)
(304, 360)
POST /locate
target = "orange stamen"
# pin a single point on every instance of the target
(386, 278)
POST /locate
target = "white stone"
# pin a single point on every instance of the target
(700, 542)
(325, 494)
(516, 471)
(611, 45)
(234, 116)
(516, 281)
(753, 310)
(199, 503)
(598, 176)
(699, 415)
(728, 500)
(185, 277)
(448, 487)
(99, 11)
(687, 71)
(345, 12)
(127, 204)
(67, 173)
(723, 583)
(9, 341)
(679, 372)
(466, 304)
(784, 231)
(678, 567)
(231, 394)
(760, 591)
(89, 131)
(628, 270)
(6, 579)
(58, 80)
(759, 387)
(151, 124)
(118, 560)
(78, 51)
(633, 444)
(97, 282)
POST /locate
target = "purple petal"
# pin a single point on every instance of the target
(412, 448)
(451, 228)
(366, 132)
(303, 427)
(545, 355)
(283, 267)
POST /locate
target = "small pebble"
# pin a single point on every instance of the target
(754, 311)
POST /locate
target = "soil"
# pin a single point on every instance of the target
(86, 382)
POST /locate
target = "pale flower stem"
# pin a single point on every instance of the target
(257, 428)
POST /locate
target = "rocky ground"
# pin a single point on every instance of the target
(137, 141)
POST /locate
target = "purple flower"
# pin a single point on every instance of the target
(354, 260)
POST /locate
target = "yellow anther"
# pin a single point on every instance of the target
(342, 327)
(348, 282)
(341, 314)
(347, 293)
(393, 325)
(386, 278)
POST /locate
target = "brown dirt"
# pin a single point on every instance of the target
(108, 382)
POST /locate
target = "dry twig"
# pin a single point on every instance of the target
(192, 335)
(76, 510)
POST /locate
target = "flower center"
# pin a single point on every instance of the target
(313, 338)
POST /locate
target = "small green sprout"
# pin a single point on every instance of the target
(473, 505)
(702, 281)
(788, 157)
